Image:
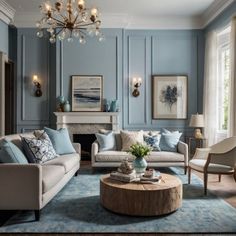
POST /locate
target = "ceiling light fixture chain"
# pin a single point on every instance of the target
(66, 19)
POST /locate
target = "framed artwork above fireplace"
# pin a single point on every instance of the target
(87, 92)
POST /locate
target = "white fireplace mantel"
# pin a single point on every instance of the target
(68, 119)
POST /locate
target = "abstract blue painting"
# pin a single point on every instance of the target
(87, 93)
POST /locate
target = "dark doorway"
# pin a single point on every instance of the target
(9, 98)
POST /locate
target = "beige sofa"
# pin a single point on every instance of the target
(156, 159)
(32, 186)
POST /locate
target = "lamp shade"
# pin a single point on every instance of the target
(197, 120)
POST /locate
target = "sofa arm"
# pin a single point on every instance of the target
(183, 149)
(77, 147)
(94, 151)
(20, 187)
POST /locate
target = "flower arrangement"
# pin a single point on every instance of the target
(139, 150)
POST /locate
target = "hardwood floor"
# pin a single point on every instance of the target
(225, 189)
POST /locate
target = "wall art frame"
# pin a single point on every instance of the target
(87, 93)
(170, 97)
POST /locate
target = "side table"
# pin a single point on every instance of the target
(194, 143)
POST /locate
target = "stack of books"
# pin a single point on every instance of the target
(123, 177)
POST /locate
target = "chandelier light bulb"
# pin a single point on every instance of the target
(40, 34)
(65, 19)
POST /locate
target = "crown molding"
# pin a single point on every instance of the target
(7, 12)
(127, 21)
(215, 9)
(124, 21)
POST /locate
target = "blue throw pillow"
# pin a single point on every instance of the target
(169, 141)
(10, 153)
(60, 140)
(166, 131)
(107, 142)
(153, 141)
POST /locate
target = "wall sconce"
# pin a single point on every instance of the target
(38, 91)
(136, 83)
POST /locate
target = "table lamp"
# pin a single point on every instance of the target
(197, 121)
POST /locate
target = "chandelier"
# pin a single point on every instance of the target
(69, 19)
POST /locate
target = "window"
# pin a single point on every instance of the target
(223, 79)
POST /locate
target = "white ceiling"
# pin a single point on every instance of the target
(134, 13)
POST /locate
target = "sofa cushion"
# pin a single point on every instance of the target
(117, 156)
(51, 175)
(131, 137)
(60, 140)
(165, 157)
(68, 161)
(39, 149)
(113, 156)
(106, 141)
(10, 153)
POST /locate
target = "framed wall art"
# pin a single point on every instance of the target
(87, 93)
(170, 96)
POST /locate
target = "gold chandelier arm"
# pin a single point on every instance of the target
(58, 21)
(59, 31)
(84, 25)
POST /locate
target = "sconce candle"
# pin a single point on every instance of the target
(38, 91)
(136, 83)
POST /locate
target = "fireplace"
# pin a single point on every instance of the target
(86, 141)
(82, 126)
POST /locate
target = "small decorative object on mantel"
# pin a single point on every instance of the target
(66, 106)
(139, 151)
(114, 106)
(61, 101)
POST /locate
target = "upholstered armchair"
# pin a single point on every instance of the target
(219, 159)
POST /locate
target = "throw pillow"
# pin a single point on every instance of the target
(60, 140)
(166, 131)
(153, 141)
(107, 142)
(39, 149)
(169, 141)
(130, 137)
(10, 153)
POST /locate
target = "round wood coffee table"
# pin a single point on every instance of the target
(141, 199)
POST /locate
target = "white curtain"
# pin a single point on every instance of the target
(232, 96)
(210, 89)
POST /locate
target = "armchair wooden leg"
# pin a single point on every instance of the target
(185, 170)
(205, 183)
(235, 175)
(37, 215)
(76, 173)
(189, 175)
(219, 178)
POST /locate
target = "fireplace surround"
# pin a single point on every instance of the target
(83, 125)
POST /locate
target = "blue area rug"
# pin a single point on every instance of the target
(77, 209)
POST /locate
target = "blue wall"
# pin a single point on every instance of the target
(3, 37)
(33, 57)
(124, 54)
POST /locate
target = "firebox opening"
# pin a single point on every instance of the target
(86, 141)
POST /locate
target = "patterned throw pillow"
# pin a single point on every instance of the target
(130, 137)
(39, 149)
(153, 141)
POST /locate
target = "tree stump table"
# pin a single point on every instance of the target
(141, 199)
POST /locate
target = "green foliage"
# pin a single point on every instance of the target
(139, 150)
